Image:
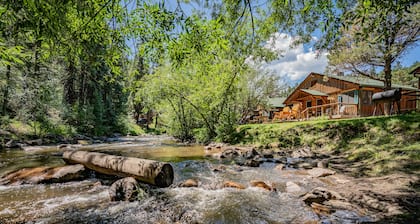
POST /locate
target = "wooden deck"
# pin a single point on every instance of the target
(332, 110)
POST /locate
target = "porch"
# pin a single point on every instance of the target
(332, 110)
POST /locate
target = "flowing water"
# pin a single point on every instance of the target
(88, 201)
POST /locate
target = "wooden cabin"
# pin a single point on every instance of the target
(275, 104)
(341, 96)
(416, 93)
(265, 113)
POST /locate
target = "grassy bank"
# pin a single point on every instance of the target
(373, 146)
(11, 129)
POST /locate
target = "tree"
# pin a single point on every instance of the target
(377, 39)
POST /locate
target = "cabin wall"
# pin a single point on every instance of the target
(317, 82)
(408, 103)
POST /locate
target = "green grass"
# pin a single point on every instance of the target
(379, 144)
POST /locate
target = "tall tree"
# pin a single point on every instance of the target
(377, 39)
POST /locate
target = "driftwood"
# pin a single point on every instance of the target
(149, 171)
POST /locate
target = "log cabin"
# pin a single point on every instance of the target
(416, 94)
(342, 96)
(265, 112)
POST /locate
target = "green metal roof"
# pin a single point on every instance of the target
(367, 82)
(314, 92)
(276, 101)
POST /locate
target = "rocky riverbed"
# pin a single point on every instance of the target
(213, 184)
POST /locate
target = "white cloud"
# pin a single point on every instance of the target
(294, 63)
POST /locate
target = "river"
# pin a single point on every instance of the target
(88, 201)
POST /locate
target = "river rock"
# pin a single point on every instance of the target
(125, 189)
(252, 163)
(44, 175)
(322, 164)
(268, 154)
(219, 168)
(190, 183)
(34, 142)
(340, 204)
(302, 153)
(320, 172)
(321, 209)
(250, 153)
(263, 185)
(292, 187)
(305, 165)
(279, 167)
(12, 144)
(320, 195)
(232, 184)
(32, 148)
(229, 153)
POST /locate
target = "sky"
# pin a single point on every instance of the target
(294, 63)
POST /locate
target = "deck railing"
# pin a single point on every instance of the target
(333, 110)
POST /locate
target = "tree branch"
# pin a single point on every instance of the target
(365, 74)
(252, 19)
(196, 108)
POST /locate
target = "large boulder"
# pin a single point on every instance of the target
(44, 175)
(125, 189)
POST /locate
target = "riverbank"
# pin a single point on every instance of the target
(15, 134)
(375, 158)
(364, 146)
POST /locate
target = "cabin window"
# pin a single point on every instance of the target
(356, 97)
(366, 97)
(313, 82)
(308, 103)
(349, 97)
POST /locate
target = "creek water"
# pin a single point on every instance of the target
(88, 201)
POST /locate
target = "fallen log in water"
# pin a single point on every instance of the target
(149, 171)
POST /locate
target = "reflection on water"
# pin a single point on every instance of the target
(11, 160)
(88, 202)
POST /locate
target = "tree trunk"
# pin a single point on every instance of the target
(70, 96)
(388, 84)
(153, 172)
(388, 75)
(6, 91)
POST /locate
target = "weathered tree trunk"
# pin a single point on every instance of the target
(70, 95)
(6, 91)
(388, 83)
(153, 172)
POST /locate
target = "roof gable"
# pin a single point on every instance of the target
(276, 101)
(314, 92)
